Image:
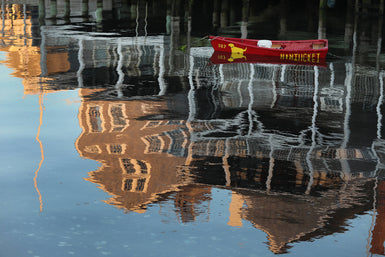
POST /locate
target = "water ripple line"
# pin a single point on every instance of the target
(41, 151)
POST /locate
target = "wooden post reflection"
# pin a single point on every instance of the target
(175, 32)
(41, 12)
(313, 130)
(379, 37)
(283, 19)
(99, 13)
(85, 9)
(188, 16)
(125, 10)
(349, 26)
(136, 17)
(245, 18)
(224, 13)
(2, 19)
(349, 81)
(119, 70)
(81, 63)
(134, 10)
(378, 230)
(233, 10)
(25, 24)
(67, 10)
(43, 53)
(53, 9)
(322, 19)
(145, 20)
(271, 165)
(216, 11)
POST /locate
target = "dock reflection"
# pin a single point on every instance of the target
(295, 182)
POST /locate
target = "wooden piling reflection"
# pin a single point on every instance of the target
(53, 9)
(67, 9)
(41, 12)
(99, 13)
(85, 8)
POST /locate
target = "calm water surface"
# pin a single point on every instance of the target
(122, 136)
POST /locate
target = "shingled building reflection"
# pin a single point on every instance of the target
(138, 157)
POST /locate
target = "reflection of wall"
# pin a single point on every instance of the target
(192, 201)
(316, 112)
(291, 218)
(25, 57)
(249, 160)
(139, 158)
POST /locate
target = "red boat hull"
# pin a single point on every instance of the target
(302, 51)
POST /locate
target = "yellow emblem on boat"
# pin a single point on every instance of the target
(236, 50)
(236, 53)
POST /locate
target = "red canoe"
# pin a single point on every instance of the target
(302, 51)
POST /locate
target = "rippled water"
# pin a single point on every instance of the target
(122, 136)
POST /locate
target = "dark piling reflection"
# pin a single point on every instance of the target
(300, 147)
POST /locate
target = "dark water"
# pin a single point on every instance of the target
(121, 137)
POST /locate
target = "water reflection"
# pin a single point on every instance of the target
(284, 131)
(139, 156)
(300, 147)
(41, 151)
